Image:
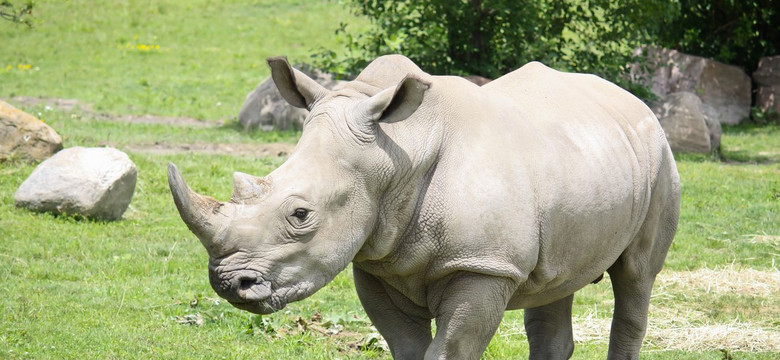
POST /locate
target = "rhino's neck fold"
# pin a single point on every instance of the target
(414, 148)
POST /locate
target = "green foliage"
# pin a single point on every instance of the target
(17, 13)
(731, 31)
(493, 37)
(762, 117)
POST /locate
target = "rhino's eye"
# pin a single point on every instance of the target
(301, 213)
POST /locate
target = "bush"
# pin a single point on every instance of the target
(493, 37)
(17, 13)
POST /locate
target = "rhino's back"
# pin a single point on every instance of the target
(549, 96)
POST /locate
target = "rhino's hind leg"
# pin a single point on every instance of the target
(549, 330)
(634, 272)
(632, 279)
(629, 321)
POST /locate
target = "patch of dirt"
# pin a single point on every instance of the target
(250, 150)
(70, 105)
(86, 110)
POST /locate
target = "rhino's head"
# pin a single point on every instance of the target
(281, 238)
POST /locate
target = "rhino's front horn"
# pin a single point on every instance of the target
(204, 215)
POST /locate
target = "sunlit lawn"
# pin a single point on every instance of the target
(138, 288)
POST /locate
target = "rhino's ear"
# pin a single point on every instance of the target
(296, 87)
(395, 104)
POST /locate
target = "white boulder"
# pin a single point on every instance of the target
(97, 183)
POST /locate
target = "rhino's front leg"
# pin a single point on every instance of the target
(408, 335)
(468, 311)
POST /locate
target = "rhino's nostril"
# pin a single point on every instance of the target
(253, 289)
(246, 283)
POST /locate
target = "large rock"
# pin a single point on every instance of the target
(767, 76)
(96, 183)
(688, 128)
(264, 108)
(724, 90)
(25, 137)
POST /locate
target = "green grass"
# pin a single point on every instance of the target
(84, 289)
(727, 204)
(211, 53)
(73, 288)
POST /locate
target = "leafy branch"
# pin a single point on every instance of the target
(18, 14)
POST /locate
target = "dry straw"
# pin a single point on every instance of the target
(686, 329)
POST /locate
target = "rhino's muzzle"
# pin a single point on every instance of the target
(245, 290)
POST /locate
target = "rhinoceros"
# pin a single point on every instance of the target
(453, 203)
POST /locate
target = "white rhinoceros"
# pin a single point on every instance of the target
(453, 202)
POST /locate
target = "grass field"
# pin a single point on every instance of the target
(138, 288)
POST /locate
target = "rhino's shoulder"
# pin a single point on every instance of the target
(536, 80)
(532, 72)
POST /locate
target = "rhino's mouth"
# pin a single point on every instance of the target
(260, 307)
(277, 300)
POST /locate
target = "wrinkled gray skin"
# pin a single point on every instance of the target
(455, 203)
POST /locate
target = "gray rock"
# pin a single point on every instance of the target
(96, 183)
(767, 76)
(768, 71)
(264, 108)
(25, 137)
(724, 90)
(687, 126)
(768, 98)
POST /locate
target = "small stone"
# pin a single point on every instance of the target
(25, 137)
